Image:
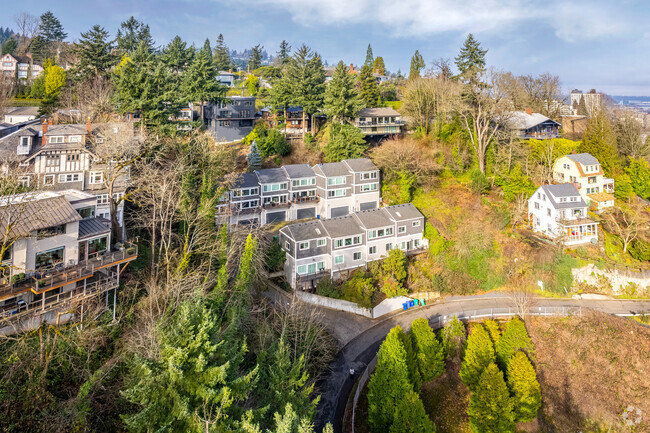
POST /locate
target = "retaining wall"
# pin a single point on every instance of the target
(618, 278)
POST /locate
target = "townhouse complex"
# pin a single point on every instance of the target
(301, 191)
(334, 247)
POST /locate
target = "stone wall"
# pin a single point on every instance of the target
(619, 279)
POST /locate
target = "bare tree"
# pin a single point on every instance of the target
(628, 138)
(6, 92)
(628, 222)
(523, 297)
(519, 210)
(27, 28)
(428, 100)
(406, 156)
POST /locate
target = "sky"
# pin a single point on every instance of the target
(601, 44)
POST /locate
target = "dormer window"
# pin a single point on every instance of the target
(74, 139)
(24, 146)
(55, 139)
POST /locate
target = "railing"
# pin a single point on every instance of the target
(305, 199)
(272, 205)
(393, 123)
(319, 274)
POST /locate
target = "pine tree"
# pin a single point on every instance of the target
(410, 416)
(369, 58)
(94, 54)
(389, 383)
(177, 56)
(417, 65)
(50, 35)
(471, 59)
(199, 82)
(453, 337)
(221, 56)
(131, 33)
(478, 355)
(255, 58)
(428, 350)
(254, 159)
(490, 406)
(346, 141)
(369, 92)
(599, 141)
(514, 338)
(524, 387)
(342, 101)
(9, 47)
(378, 66)
(284, 54)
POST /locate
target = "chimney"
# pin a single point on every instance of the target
(44, 128)
(89, 126)
(351, 68)
(529, 111)
(574, 151)
(230, 71)
(49, 121)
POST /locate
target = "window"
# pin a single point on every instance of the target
(416, 223)
(372, 250)
(23, 181)
(287, 246)
(72, 177)
(249, 204)
(245, 113)
(50, 231)
(357, 256)
(56, 139)
(336, 180)
(274, 187)
(536, 205)
(548, 211)
(416, 242)
(73, 157)
(303, 245)
(74, 139)
(6, 256)
(302, 269)
(321, 242)
(336, 192)
(338, 260)
(389, 246)
(563, 200)
(96, 177)
(366, 176)
(52, 160)
(87, 212)
(224, 123)
(102, 199)
(311, 268)
(369, 187)
(304, 182)
(24, 141)
(380, 233)
(356, 240)
(49, 258)
(401, 229)
(97, 246)
(574, 199)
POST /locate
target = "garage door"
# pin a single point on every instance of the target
(368, 205)
(338, 211)
(310, 212)
(275, 216)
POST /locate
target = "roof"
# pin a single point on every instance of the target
(306, 231)
(343, 226)
(522, 120)
(601, 196)
(9, 143)
(360, 164)
(246, 180)
(23, 111)
(379, 111)
(329, 169)
(66, 129)
(21, 218)
(583, 158)
(294, 110)
(271, 175)
(92, 227)
(374, 218)
(403, 212)
(296, 171)
(563, 190)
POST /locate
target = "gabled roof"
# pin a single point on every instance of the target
(521, 120)
(20, 218)
(403, 212)
(73, 129)
(271, 175)
(583, 158)
(342, 226)
(297, 171)
(246, 180)
(305, 231)
(329, 169)
(360, 164)
(379, 111)
(23, 111)
(554, 192)
(374, 218)
(9, 143)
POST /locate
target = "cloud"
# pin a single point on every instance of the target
(571, 22)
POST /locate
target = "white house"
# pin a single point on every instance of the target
(586, 172)
(560, 212)
(16, 115)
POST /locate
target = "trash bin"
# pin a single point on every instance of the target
(405, 305)
(411, 304)
(422, 302)
(416, 302)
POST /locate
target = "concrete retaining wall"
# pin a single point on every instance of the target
(617, 278)
(385, 307)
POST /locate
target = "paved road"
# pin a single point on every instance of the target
(361, 348)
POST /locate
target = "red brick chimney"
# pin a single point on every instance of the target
(574, 151)
(89, 125)
(529, 111)
(50, 121)
(230, 71)
(44, 128)
(351, 68)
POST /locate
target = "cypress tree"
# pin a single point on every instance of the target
(514, 338)
(254, 159)
(417, 64)
(411, 360)
(342, 101)
(389, 383)
(453, 337)
(478, 355)
(378, 66)
(490, 406)
(429, 352)
(492, 328)
(410, 416)
(524, 387)
(599, 141)
(369, 92)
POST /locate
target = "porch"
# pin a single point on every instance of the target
(580, 231)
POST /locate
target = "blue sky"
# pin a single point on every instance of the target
(600, 44)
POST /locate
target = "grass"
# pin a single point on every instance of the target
(19, 102)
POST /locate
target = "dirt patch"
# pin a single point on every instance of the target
(446, 400)
(590, 369)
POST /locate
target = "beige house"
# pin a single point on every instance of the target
(586, 173)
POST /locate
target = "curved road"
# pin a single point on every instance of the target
(362, 347)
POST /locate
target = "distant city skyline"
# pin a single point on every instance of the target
(597, 44)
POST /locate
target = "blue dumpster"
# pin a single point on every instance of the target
(405, 305)
(411, 304)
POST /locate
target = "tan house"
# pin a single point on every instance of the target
(587, 174)
(24, 68)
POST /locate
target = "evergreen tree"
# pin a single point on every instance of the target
(221, 56)
(478, 355)
(342, 101)
(346, 141)
(255, 57)
(524, 387)
(394, 269)
(9, 47)
(415, 379)
(410, 416)
(490, 406)
(471, 59)
(177, 56)
(428, 350)
(207, 50)
(582, 107)
(284, 54)
(492, 328)
(254, 159)
(514, 338)
(94, 54)
(453, 337)
(624, 188)
(378, 66)
(369, 58)
(599, 141)
(50, 35)
(639, 172)
(417, 65)
(199, 82)
(369, 92)
(389, 383)
(131, 33)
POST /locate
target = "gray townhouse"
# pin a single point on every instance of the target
(298, 191)
(230, 120)
(335, 247)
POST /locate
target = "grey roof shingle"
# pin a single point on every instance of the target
(297, 171)
(19, 219)
(305, 231)
(563, 190)
(583, 158)
(403, 212)
(522, 120)
(329, 169)
(246, 180)
(271, 175)
(379, 111)
(342, 226)
(374, 218)
(66, 130)
(23, 111)
(9, 143)
(92, 227)
(360, 164)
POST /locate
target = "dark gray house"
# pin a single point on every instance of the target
(230, 120)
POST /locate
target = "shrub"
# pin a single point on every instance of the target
(640, 250)
(479, 182)
(326, 287)
(359, 289)
(275, 257)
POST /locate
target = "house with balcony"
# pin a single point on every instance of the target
(560, 212)
(533, 125)
(298, 191)
(230, 120)
(587, 174)
(56, 255)
(379, 121)
(335, 247)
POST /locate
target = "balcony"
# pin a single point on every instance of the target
(306, 277)
(276, 205)
(307, 199)
(396, 122)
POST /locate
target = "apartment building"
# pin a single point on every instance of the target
(560, 212)
(299, 191)
(56, 253)
(335, 247)
(586, 173)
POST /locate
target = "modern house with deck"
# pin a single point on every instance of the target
(231, 120)
(533, 125)
(337, 246)
(379, 121)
